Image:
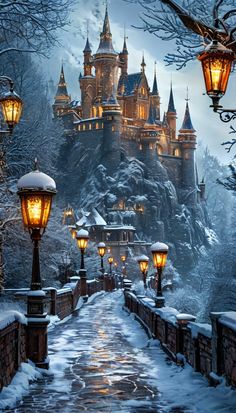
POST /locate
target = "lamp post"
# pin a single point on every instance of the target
(110, 261)
(123, 259)
(216, 62)
(143, 261)
(102, 251)
(82, 238)
(159, 253)
(36, 191)
(73, 231)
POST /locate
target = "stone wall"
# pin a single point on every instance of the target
(207, 349)
(12, 351)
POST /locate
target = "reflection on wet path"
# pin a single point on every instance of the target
(99, 365)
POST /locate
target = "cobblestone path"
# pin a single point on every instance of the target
(99, 364)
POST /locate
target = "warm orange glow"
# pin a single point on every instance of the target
(101, 249)
(11, 107)
(143, 265)
(73, 232)
(159, 258)
(35, 209)
(123, 258)
(82, 243)
(216, 65)
(110, 260)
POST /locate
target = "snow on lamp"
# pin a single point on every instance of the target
(216, 62)
(36, 191)
(110, 261)
(143, 261)
(159, 253)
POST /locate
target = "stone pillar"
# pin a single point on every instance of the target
(37, 343)
(217, 345)
(83, 283)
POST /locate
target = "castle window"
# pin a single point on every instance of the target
(84, 126)
(140, 147)
(90, 126)
(113, 128)
(159, 150)
(176, 152)
(186, 156)
(97, 125)
(102, 125)
(151, 145)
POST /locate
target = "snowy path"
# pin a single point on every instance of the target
(102, 361)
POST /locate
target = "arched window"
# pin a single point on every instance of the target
(159, 150)
(176, 152)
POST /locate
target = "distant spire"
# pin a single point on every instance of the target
(155, 88)
(143, 64)
(171, 105)
(152, 115)
(187, 123)
(62, 89)
(87, 46)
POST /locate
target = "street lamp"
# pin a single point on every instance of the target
(82, 238)
(68, 216)
(143, 265)
(159, 253)
(123, 258)
(216, 62)
(11, 104)
(110, 261)
(36, 191)
(102, 251)
(73, 231)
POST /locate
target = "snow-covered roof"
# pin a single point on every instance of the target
(91, 219)
(119, 227)
(159, 246)
(36, 180)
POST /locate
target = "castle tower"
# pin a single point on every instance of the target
(111, 134)
(143, 64)
(106, 64)
(155, 98)
(62, 99)
(87, 83)
(187, 138)
(171, 115)
(124, 59)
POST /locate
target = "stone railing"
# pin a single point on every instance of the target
(209, 349)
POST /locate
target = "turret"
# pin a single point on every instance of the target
(171, 115)
(187, 138)
(143, 64)
(106, 63)
(87, 59)
(62, 99)
(124, 58)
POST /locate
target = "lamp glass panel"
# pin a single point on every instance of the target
(11, 110)
(216, 74)
(35, 210)
(143, 265)
(159, 258)
(101, 251)
(82, 243)
(110, 260)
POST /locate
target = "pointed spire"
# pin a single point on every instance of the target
(143, 64)
(187, 122)
(105, 45)
(62, 89)
(152, 115)
(171, 105)
(87, 48)
(125, 50)
(155, 88)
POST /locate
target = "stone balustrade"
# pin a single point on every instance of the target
(209, 349)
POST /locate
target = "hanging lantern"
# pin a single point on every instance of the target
(11, 108)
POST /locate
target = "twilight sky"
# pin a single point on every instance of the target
(209, 128)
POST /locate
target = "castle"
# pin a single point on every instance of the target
(121, 112)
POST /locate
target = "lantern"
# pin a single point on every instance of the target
(159, 253)
(216, 62)
(11, 108)
(123, 258)
(101, 249)
(82, 238)
(143, 263)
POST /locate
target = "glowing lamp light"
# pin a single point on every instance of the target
(123, 258)
(143, 261)
(73, 231)
(159, 253)
(216, 62)
(11, 108)
(36, 191)
(101, 249)
(110, 260)
(82, 238)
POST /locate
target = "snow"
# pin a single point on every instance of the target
(36, 180)
(229, 319)
(202, 328)
(185, 317)
(19, 386)
(8, 317)
(36, 293)
(168, 314)
(159, 246)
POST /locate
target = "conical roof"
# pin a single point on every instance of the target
(187, 122)
(125, 50)
(61, 88)
(105, 45)
(154, 87)
(171, 105)
(87, 48)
